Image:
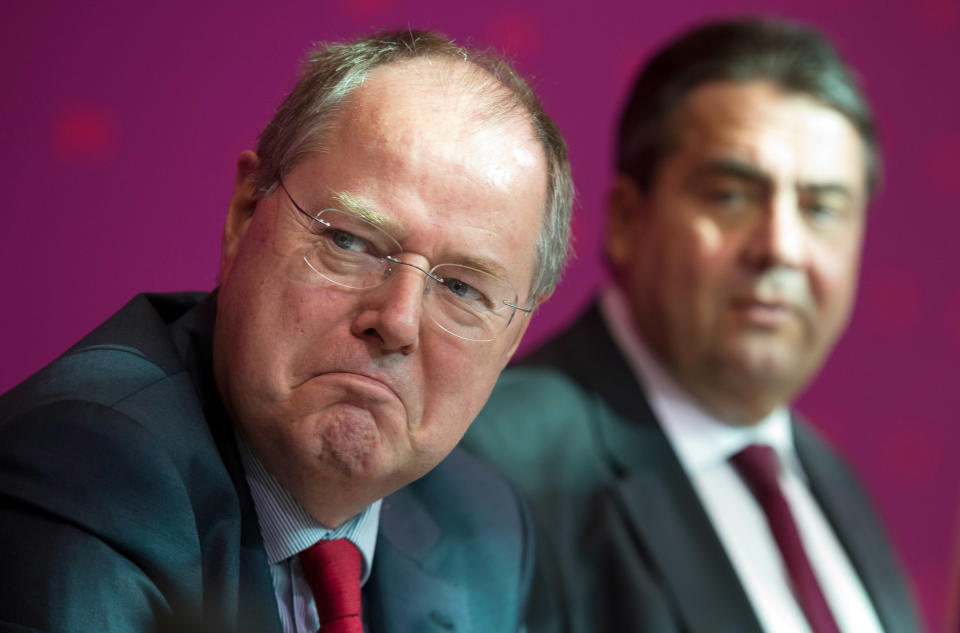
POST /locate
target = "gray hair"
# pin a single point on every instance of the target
(794, 57)
(332, 72)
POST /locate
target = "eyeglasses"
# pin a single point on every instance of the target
(353, 253)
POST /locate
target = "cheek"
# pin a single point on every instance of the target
(281, 327)
(833, 279)
(709, 250)
(459, 378)
(698, 261)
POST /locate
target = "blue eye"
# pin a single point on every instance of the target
(348, 241)
(457, 287)
(467, 293)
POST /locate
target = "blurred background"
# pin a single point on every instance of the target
(120, 124)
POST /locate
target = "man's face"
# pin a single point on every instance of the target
(347, 395)
(741, 263)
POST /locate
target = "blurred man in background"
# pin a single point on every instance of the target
(672, 487)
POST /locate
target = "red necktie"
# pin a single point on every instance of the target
(759, 467)
(332, 569)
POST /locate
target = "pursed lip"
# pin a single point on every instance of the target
(773, 304)
(369, 379)
(765, 312)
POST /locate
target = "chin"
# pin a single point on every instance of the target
(760, 366)
(350, 440)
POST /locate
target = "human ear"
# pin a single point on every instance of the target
(243, 202)
(624, 209)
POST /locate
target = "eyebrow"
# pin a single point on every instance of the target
(483, 265)
(746, 171)
(729, 167)
(363, 209)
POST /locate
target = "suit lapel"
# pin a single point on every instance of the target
(655, 496)
(675, 534)
(403, 595)
(253, 602)
(617, 396)
(256, 603)
(858, 529)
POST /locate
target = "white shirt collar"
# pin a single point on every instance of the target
(700, 439)
(288, 529)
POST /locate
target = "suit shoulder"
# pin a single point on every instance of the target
(128, 352)
(536, 392)
(90, 465)
(536, 417)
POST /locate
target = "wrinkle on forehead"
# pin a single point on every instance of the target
(470, 105)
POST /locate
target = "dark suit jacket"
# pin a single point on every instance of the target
(123, 504)
(624, 543)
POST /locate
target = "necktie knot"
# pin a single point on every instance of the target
(332, 569)
(759, 467)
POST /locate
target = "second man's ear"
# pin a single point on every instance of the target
(624, 208)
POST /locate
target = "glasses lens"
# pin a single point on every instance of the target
(347, 250)
(351, 252)
(469, 303)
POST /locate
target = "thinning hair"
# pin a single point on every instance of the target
(794, 57)
(332, 72)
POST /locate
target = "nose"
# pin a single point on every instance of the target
(779, 237)
(391, 313)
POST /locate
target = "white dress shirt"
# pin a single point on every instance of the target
(704, 445)
(287, 530)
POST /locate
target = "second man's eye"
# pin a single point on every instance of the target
(728, 197)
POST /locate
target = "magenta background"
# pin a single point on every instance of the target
(120, 125)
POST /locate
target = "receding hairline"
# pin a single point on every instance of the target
(490, 101)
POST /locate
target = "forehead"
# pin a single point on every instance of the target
(783, 134)
(419, 146)
(436, 105)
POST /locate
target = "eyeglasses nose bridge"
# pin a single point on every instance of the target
(394, 261)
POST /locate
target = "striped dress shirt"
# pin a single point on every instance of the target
(287, 529)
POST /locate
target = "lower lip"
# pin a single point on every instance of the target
(364, 382)
(764, 315)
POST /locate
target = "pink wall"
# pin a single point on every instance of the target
(120, 124)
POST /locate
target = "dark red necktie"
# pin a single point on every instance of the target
(759, 467)
(332, 568)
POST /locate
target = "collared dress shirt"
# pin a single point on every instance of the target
(704, 445)
(287, 530)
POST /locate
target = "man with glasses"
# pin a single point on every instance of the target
(672, 488)
(248, 459)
